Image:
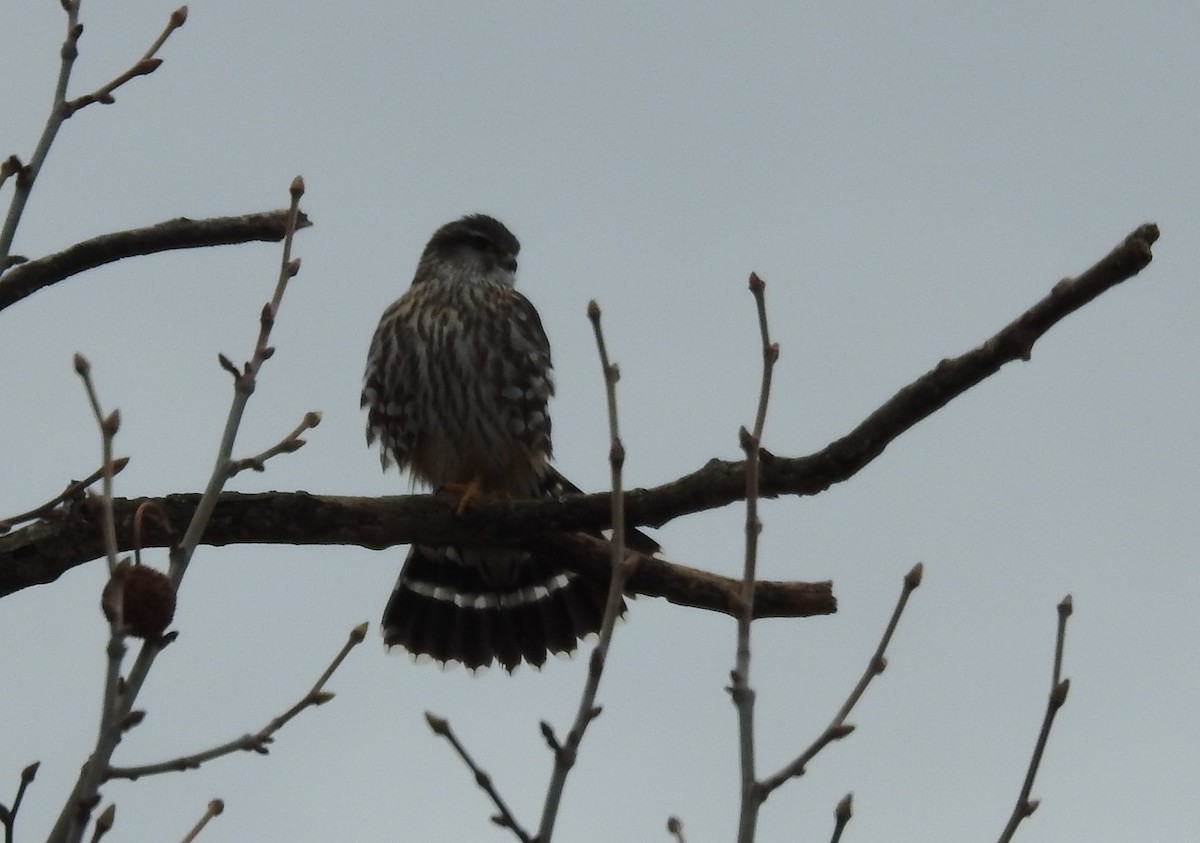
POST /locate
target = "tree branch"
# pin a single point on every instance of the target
(41, 552)
(179, 233)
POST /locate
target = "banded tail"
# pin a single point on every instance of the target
(478, 606)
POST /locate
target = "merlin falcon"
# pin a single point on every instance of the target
(456, 389)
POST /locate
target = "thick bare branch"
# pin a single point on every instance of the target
(41, 552)
(720, 483)
(179, 233)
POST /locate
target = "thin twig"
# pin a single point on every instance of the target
(739, 687)
(178, 18)
(287, 445)
(108, 424)
(144, 66)
(214, 809)
(260, 740)
(838, 728)
(1065, 607)
(1058, 695)
(504, 817)
(841, 816)
(74, 491)
(623, 565)
(8, 815)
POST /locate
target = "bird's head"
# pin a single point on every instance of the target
(475, 249)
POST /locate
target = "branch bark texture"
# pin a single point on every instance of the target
(180, 233)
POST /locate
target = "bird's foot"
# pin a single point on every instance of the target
(465, 492)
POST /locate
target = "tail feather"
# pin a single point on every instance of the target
(481, 606)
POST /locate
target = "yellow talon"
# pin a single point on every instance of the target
(465, 491)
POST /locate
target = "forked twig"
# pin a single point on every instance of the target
(287, 445)
(1058, 695)
(144, 66)
(838, 728)
(61, 109)
(244, 383)
(8, 815)
(260, 740)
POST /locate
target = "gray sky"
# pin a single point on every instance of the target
(906, 177)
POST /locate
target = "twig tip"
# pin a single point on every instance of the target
(913, 578)
(438, 724)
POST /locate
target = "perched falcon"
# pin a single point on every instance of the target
(456, 387)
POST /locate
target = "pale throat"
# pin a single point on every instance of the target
(474, 273)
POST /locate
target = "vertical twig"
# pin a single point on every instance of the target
(739, 688)
(58, 113)
(1058, 695)
(566, 751)
(109, 425)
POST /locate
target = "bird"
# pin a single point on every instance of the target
(456, 388)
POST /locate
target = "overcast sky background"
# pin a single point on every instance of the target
(906, 177)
